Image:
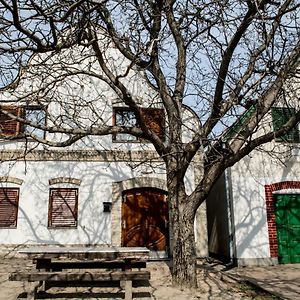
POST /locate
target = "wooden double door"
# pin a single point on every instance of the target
(145, 219)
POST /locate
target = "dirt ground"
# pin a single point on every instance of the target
(212, 285)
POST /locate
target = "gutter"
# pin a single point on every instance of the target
(230, 213)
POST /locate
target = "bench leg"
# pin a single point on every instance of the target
(128, 290)
(43, 286)
(32, 289)
(47, 285)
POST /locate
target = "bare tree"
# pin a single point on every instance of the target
(221, 58)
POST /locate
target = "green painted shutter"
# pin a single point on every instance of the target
(280, 116)
(287, 212)
(240, 123)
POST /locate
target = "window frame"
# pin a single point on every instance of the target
(36, 108)
(15, 204)
(115, 135)
(143, 111)
(21, 113)
(50, 210)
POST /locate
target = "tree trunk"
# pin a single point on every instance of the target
(183, 237)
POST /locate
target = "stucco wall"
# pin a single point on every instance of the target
(97, 181)
(275, 163)
(96, 187)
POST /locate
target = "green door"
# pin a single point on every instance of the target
(287, 212)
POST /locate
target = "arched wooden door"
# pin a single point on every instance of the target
(145, 219)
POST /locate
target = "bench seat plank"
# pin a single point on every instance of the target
(80, 276)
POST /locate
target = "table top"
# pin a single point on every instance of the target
(89, 252)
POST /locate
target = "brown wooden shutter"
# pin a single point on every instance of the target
(9, 198)
(63, 207)
(154, 118)
(9, 126)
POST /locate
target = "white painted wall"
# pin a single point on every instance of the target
(248, 194)
(96, 187)
(84, 100)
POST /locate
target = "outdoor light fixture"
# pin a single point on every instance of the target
(107, 207)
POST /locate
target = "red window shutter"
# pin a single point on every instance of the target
(154, 118)
(9, 198)
(9, 126)
(63, 207)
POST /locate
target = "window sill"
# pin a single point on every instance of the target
(140, 141)
(14, 138)
(126, 142)
(62, 227)
(288, 143)
(2, 227)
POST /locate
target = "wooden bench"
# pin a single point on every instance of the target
(35, 279)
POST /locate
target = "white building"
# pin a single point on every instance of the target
(254, 209)
(108, 189)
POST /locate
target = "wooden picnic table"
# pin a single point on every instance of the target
(50, 261)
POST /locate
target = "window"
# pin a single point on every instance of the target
(63, 207)
(280, 116)
(11, 127)
(36, 115)
(9, 199)
(123, 116)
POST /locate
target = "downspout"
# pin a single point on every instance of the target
(230, 213)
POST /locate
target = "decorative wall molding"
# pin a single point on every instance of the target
(58, 180)
(10, 179)
(138, 182)
(80, 155)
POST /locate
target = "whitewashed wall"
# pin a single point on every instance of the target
(95, 188)
(274, 163)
